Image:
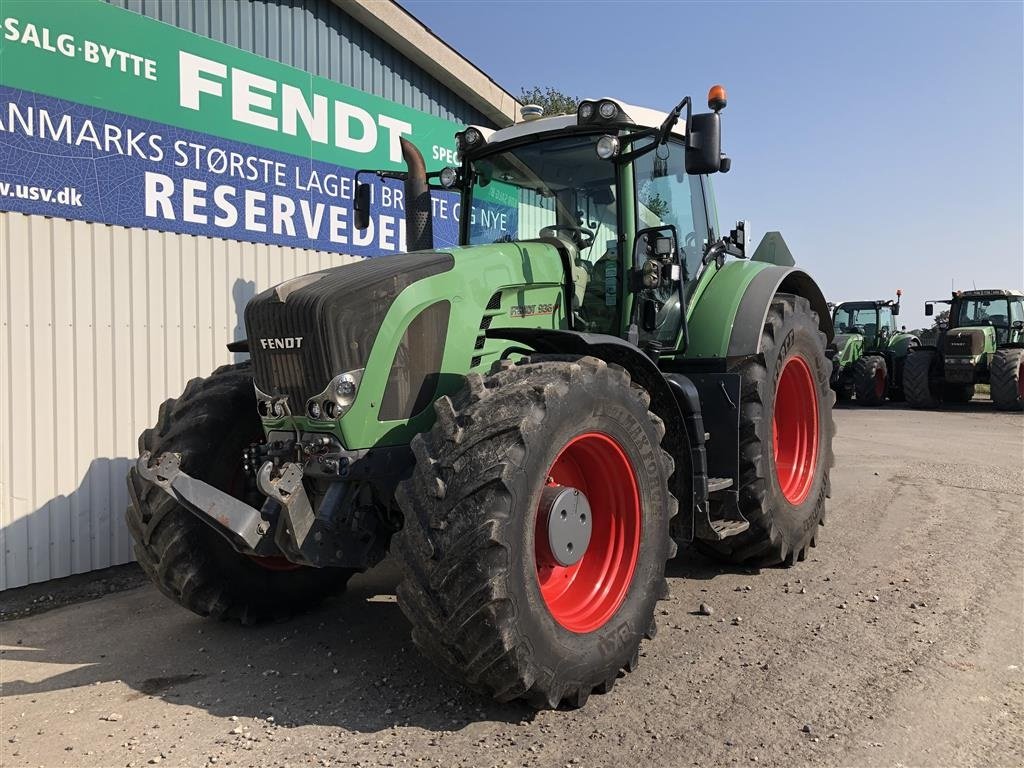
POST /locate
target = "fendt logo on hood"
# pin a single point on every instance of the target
(288, 342)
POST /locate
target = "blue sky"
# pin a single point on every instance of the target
(884, 140)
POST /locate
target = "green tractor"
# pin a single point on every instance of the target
(868, 352)
(528, 423)
(982, 343)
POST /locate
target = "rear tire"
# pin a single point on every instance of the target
(786, 403)
(871, 380)
(1007, 379)
(476, 586)
(210, 425)
(920, 389)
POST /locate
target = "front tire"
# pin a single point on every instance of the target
(1007, 379)
(486, 601)
(918, 385)
(786, 431)
(871, 380)
(213, 421)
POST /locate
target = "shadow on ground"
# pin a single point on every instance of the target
(349, 664)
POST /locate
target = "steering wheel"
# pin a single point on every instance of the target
(582, 237)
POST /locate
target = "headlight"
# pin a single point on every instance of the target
(472, 137)
(337, 398)
(586, 111)
(608, 110)
(449, 177)
(607, 147)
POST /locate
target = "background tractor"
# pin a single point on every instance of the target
(868, 352)
(528, 422)
(982, 344)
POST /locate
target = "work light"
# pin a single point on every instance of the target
(607, 147)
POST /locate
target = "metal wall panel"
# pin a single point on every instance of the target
(318, 37)
(100, 325)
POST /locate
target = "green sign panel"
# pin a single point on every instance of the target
(92, 53)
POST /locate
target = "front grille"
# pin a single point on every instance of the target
(336, 314)
(965, 342)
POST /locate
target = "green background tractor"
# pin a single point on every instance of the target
(529, 422)
(868, 352)
(982, 344)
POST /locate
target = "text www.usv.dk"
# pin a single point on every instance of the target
(66, 196)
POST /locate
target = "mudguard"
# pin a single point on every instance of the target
(729, 309)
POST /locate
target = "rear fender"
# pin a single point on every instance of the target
(727, 317)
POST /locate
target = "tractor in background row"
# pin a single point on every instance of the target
(868, 352)
(528, 422)
(983, 343)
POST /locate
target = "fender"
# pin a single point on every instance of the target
(743, 291)
(753, 311)
(683, 446)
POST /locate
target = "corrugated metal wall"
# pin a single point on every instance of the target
(316, 36)
(101, 324)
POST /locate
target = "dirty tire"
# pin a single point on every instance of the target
(840, 383)
(870, 379)
(918, 387)
(957, 393)
(782, 526)
(467, 551)
(210, 425)
(1006, 377)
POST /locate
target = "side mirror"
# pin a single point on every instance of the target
(895, 309)
(929, 309)
(361, 206)
(704, 144)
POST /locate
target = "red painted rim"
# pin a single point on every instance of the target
(879, 383)
(795, 430)
(1020, 381)
(583, 597)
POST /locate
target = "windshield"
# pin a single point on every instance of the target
(863, 320)
(556, 188)
(983, 312)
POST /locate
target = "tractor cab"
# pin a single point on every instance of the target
(875, 321)
(1000, 310)
(625, 192)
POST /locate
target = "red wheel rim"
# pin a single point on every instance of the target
(584, 596)
(879, 384)
(795, 430)
(1020, 381)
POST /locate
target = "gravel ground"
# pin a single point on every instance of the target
(898, 643)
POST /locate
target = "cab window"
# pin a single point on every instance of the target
(665, 195)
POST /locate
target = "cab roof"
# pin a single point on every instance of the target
(640, 117)
(981, 293)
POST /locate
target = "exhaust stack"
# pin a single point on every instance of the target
(418, 220)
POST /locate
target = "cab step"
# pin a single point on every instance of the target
(718, 484)
(723, 529)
